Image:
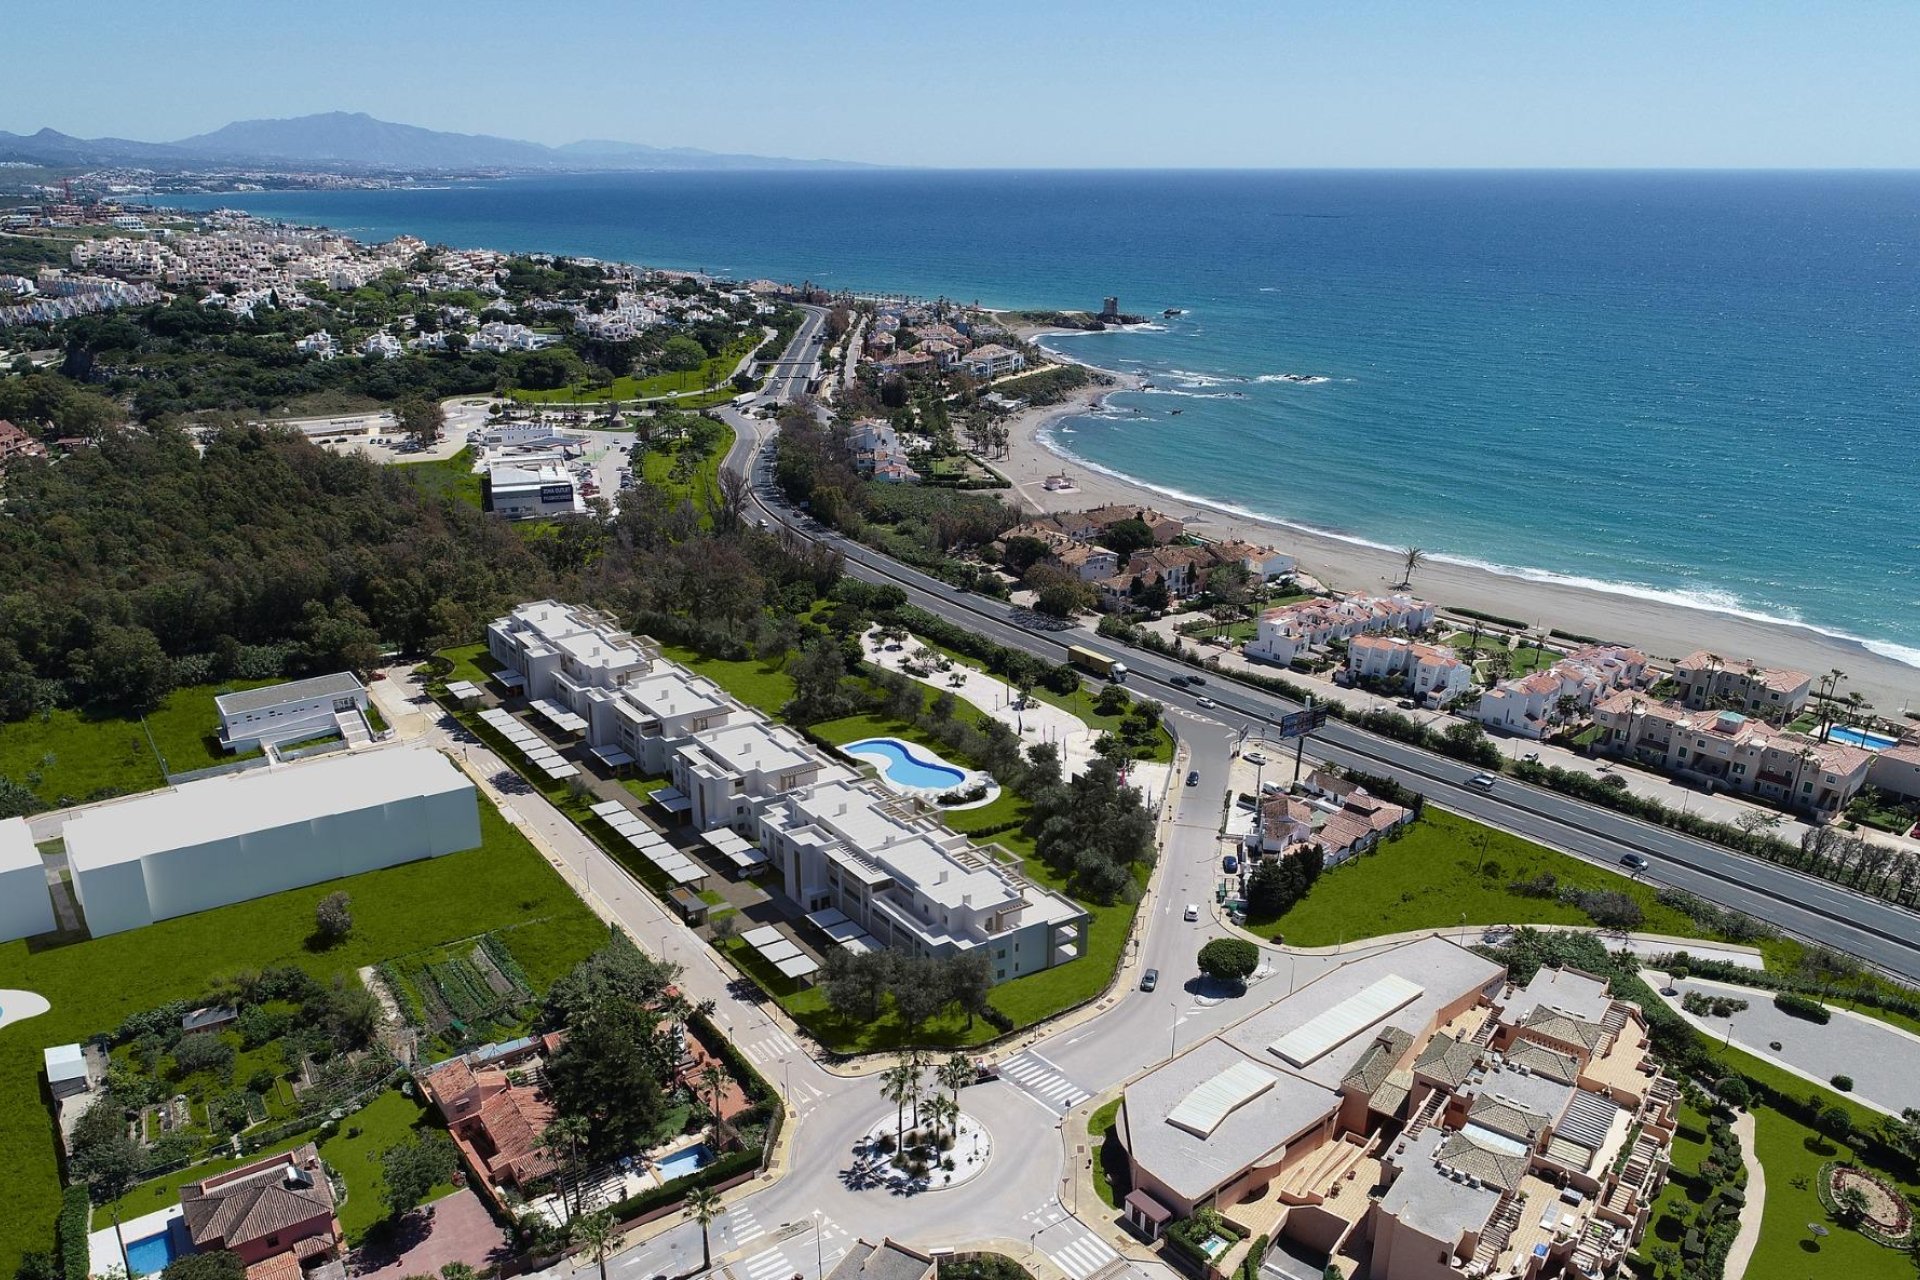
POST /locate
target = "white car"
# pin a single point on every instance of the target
(1204, 702)
(1193, 911)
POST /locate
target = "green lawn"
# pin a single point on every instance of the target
(1684, 1193)
(446, 477)
(657, 468)
(149, 1197)
(78, 756)
(710, 375)
(761, 685)
(470, 662)
(1526, 658)
(1792, 1153)
(1099, 1124)
(1427, 879)
(93, 985)
(354, 1152)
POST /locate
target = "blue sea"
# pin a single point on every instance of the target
(1702, 387)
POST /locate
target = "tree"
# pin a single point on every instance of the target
(202, 1052)
(353, 1014)
(458, 1271)
(714, 1080)
(125, 668)
(1836, 1122)
(955, 1074)
(1411, 558)
(856, 985)
(681, 354)
(703, 1206)
(900, 1084)
(598, 1235)
(969, 979)
(942, 1112)
(1229, 959)
(1734, 1091)
(413, 1168)
(1124, 537)
(562, 1140)
(333, 918)
(220, 1264)
(607, 1072)
(919, 990)
(1273, 886)
(420, 419)
(1851, 1205)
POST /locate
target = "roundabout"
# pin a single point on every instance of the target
(929, 1159)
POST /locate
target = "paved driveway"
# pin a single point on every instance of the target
(455, 1228)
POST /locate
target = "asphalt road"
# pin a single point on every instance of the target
(1874, 930)
(789, 376)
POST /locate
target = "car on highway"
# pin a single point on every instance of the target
(1179, 682)
(1196, 681)
(1205, 702)
(1193, 778)
(1482, 781)
(1193, 911)
(1634, 862)
(1150, 979)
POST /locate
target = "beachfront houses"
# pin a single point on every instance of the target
(1531, 704)
(241, 836)
(1417, 1107)
(1288, 631)
(838, 841)
(1735, 751)
(1708, 680)
(1432, 675)
(992, 361)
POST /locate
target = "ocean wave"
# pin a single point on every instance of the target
(1704, 599)
(1300, 379)
(1191, 395)
(1195, 378)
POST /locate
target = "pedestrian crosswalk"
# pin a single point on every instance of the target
(1081, 1255)
(797, 1254)
(741, 1228)
(1043, 1080)
(774, 1045)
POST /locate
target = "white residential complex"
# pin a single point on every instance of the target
(836, 839)
(1529, 705)
(1433, 675)
(243, 836)
(1290, 630)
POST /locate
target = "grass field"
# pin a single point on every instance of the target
(446, 477)
(1099, 1124)
(761, 685)
(711, 374)
(78, 756)
(354, 1152)
(503, 885)
(1434, 877)
(471, 662)
(701, 485)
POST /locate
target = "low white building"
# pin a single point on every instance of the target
(382, 346)
(1433, 674)
(234, 838)
(724, 771)
(559, 651)
(533, 488)
(254, 719)
(321, 344)
(26, 908)
(1531, 704)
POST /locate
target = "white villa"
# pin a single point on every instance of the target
(992, 360)
(254, 719)
(1435, 675)
(1292, 629)
(1529, 705)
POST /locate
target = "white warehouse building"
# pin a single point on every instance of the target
(230, 839)
(26, 908)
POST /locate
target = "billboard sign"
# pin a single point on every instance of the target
(1298, 724)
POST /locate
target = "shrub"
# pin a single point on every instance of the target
(1798, 1006)
(72, 1232)
(1843, 1083)
(1229, 959)
(333, 918)
(1733, 1091)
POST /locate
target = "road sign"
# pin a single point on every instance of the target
(1298, 724)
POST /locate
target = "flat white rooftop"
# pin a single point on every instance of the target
(261, 800)
(16, 846)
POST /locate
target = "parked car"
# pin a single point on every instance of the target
(1481, 781)
(1230, 864)
(1150, 979)
(1193, 778)
(1255, 757)
(1634, 862)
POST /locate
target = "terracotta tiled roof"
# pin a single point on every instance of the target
(281, 1266)
(514, 1119)
(256, 1201)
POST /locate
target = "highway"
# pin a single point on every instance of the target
(1879, 932)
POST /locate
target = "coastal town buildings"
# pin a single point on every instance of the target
(16, 444)
(1285, 632)
(1774, 693)
(1735, 751)
(495, 1105)
(993, 361)
(838, 841)
(1433, 675)
(1531, 704)
(1417, 1106)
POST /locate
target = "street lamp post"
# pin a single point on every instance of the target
(1173, 1032)
(819, 1254)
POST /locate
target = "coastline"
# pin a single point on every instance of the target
(1659, 628)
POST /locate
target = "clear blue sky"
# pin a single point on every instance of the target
(966, 83)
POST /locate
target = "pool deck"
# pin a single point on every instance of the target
(103, 1246)
(18, 1006)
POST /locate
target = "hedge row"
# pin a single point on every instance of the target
(71, 1232)
(1873, 997)
(1801, 1007)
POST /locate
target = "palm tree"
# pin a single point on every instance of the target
(703, 1206)
(597, 1235)
(897, 1084)
(458, 1271)
(714, 1079)
(917, 1062)
(1411, 558)
(942, 1112)
(956, 1073)
(562, 1138)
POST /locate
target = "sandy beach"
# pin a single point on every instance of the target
(1658, 628)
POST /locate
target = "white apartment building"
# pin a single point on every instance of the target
(911, 883)
(533, 488)
(560, 651)
(382, 346)
(26, 908)
(322, 344)
(992, 361)
(1529, 705)
(1292, 629)
(723, 773)
(1434, 674)
(254, 719)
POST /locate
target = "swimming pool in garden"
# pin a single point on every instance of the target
(907, 765)
(150, 1255)
(685, 1161)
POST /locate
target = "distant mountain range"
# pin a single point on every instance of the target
(356, 141)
